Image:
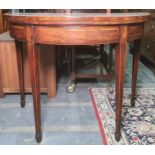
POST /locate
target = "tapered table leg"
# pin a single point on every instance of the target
(110, 57)
(20, 64)
(120, 59)
(136, 57)
(110, 61)
(33, 58)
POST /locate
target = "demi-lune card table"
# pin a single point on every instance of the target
(77, 29)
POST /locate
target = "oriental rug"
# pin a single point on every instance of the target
(138, 123)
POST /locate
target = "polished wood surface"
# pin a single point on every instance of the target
(9, 82)
(120, 62)
(33, 56)
(20, 65)
(136, 57)
(77, 18)
(100, 28)
(1, 21)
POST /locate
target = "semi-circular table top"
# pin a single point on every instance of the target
(77, 18)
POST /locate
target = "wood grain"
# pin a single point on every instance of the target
(120, 62)
(77, 18)
(18, 31)
(136, 57)
(9, 74)
(1, 21)
(76, 35)
(33, 58)
(20, 65)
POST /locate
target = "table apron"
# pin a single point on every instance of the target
(76, 35)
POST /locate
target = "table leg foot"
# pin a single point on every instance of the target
(132, 101)
(22, 102)
(38, 137)
(117, 136)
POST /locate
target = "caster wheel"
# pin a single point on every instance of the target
(71, 88)
(110, 89)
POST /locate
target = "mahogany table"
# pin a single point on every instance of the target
(77, 29)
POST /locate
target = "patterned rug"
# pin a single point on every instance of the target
(138, 124)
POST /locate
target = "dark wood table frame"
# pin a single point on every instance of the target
(77, 29)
